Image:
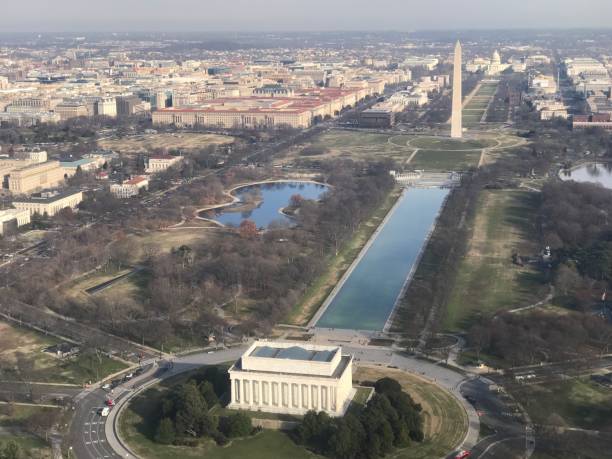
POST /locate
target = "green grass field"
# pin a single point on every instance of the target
(471, 119)
(34, 446)
(441, 160)
(477, 104)
(440, 143)
(21, 357)
(488, 281)
(476, 107)
(576, 403)
(357, 145)
(11, 429)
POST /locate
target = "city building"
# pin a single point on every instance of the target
(35, 177)
(130, 188)
(581, 67)
(269, 112)
(49, 203)
(428, 62)
(30, 105)
(68, 110)
(290, 378)
(542, 84)
(28, 119)
(490, 67)
(550, 109)
(12, 219)
(537, 60)
(131, 105)
(377, 118)
(160, 163)
(84, 164)
(36, 156)
(106, 106)
(600, 120)
(273, 90)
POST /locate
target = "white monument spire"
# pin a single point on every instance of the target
(456, 119)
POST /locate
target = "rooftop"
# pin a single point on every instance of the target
(48, 196)
(76, 162)
(293, 353)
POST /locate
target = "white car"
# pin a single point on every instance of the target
(106, 387)
(104, 411)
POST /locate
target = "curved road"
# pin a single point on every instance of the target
(93, 437)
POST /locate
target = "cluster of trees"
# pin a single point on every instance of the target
(11, 450)
(390, 420)
(185, 413)
(520, 339)
(575, 220)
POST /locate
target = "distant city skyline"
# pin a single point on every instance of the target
(288, 15)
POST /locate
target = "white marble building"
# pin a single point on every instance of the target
(291, 378)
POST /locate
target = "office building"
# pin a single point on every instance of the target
(36, 177)
(12, 219)
(68, 110)
(160, 163)
(127, 105)
(377, 118)
(49, 203)
(130, 188)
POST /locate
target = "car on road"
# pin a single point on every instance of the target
(139, 371)
(463, 454)
(115, 383)
(104, 411)
(110, 402)
(106, 387)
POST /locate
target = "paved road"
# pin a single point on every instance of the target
(93, 437)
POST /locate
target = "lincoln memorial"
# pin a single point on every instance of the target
(290, 378)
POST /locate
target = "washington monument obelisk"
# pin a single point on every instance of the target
(456, 120)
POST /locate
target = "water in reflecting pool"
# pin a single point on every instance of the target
(592, 172)
(366, 299)
(266, 200)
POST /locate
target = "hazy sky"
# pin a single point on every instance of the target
(302, 15)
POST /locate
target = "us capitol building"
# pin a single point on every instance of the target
(285, 378)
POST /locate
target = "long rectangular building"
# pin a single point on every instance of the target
(49, 203)
(299, 111)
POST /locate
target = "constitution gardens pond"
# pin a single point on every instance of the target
(366, 296)
(600, 173)
(262, 203)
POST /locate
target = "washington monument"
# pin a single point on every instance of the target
(456, 120)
